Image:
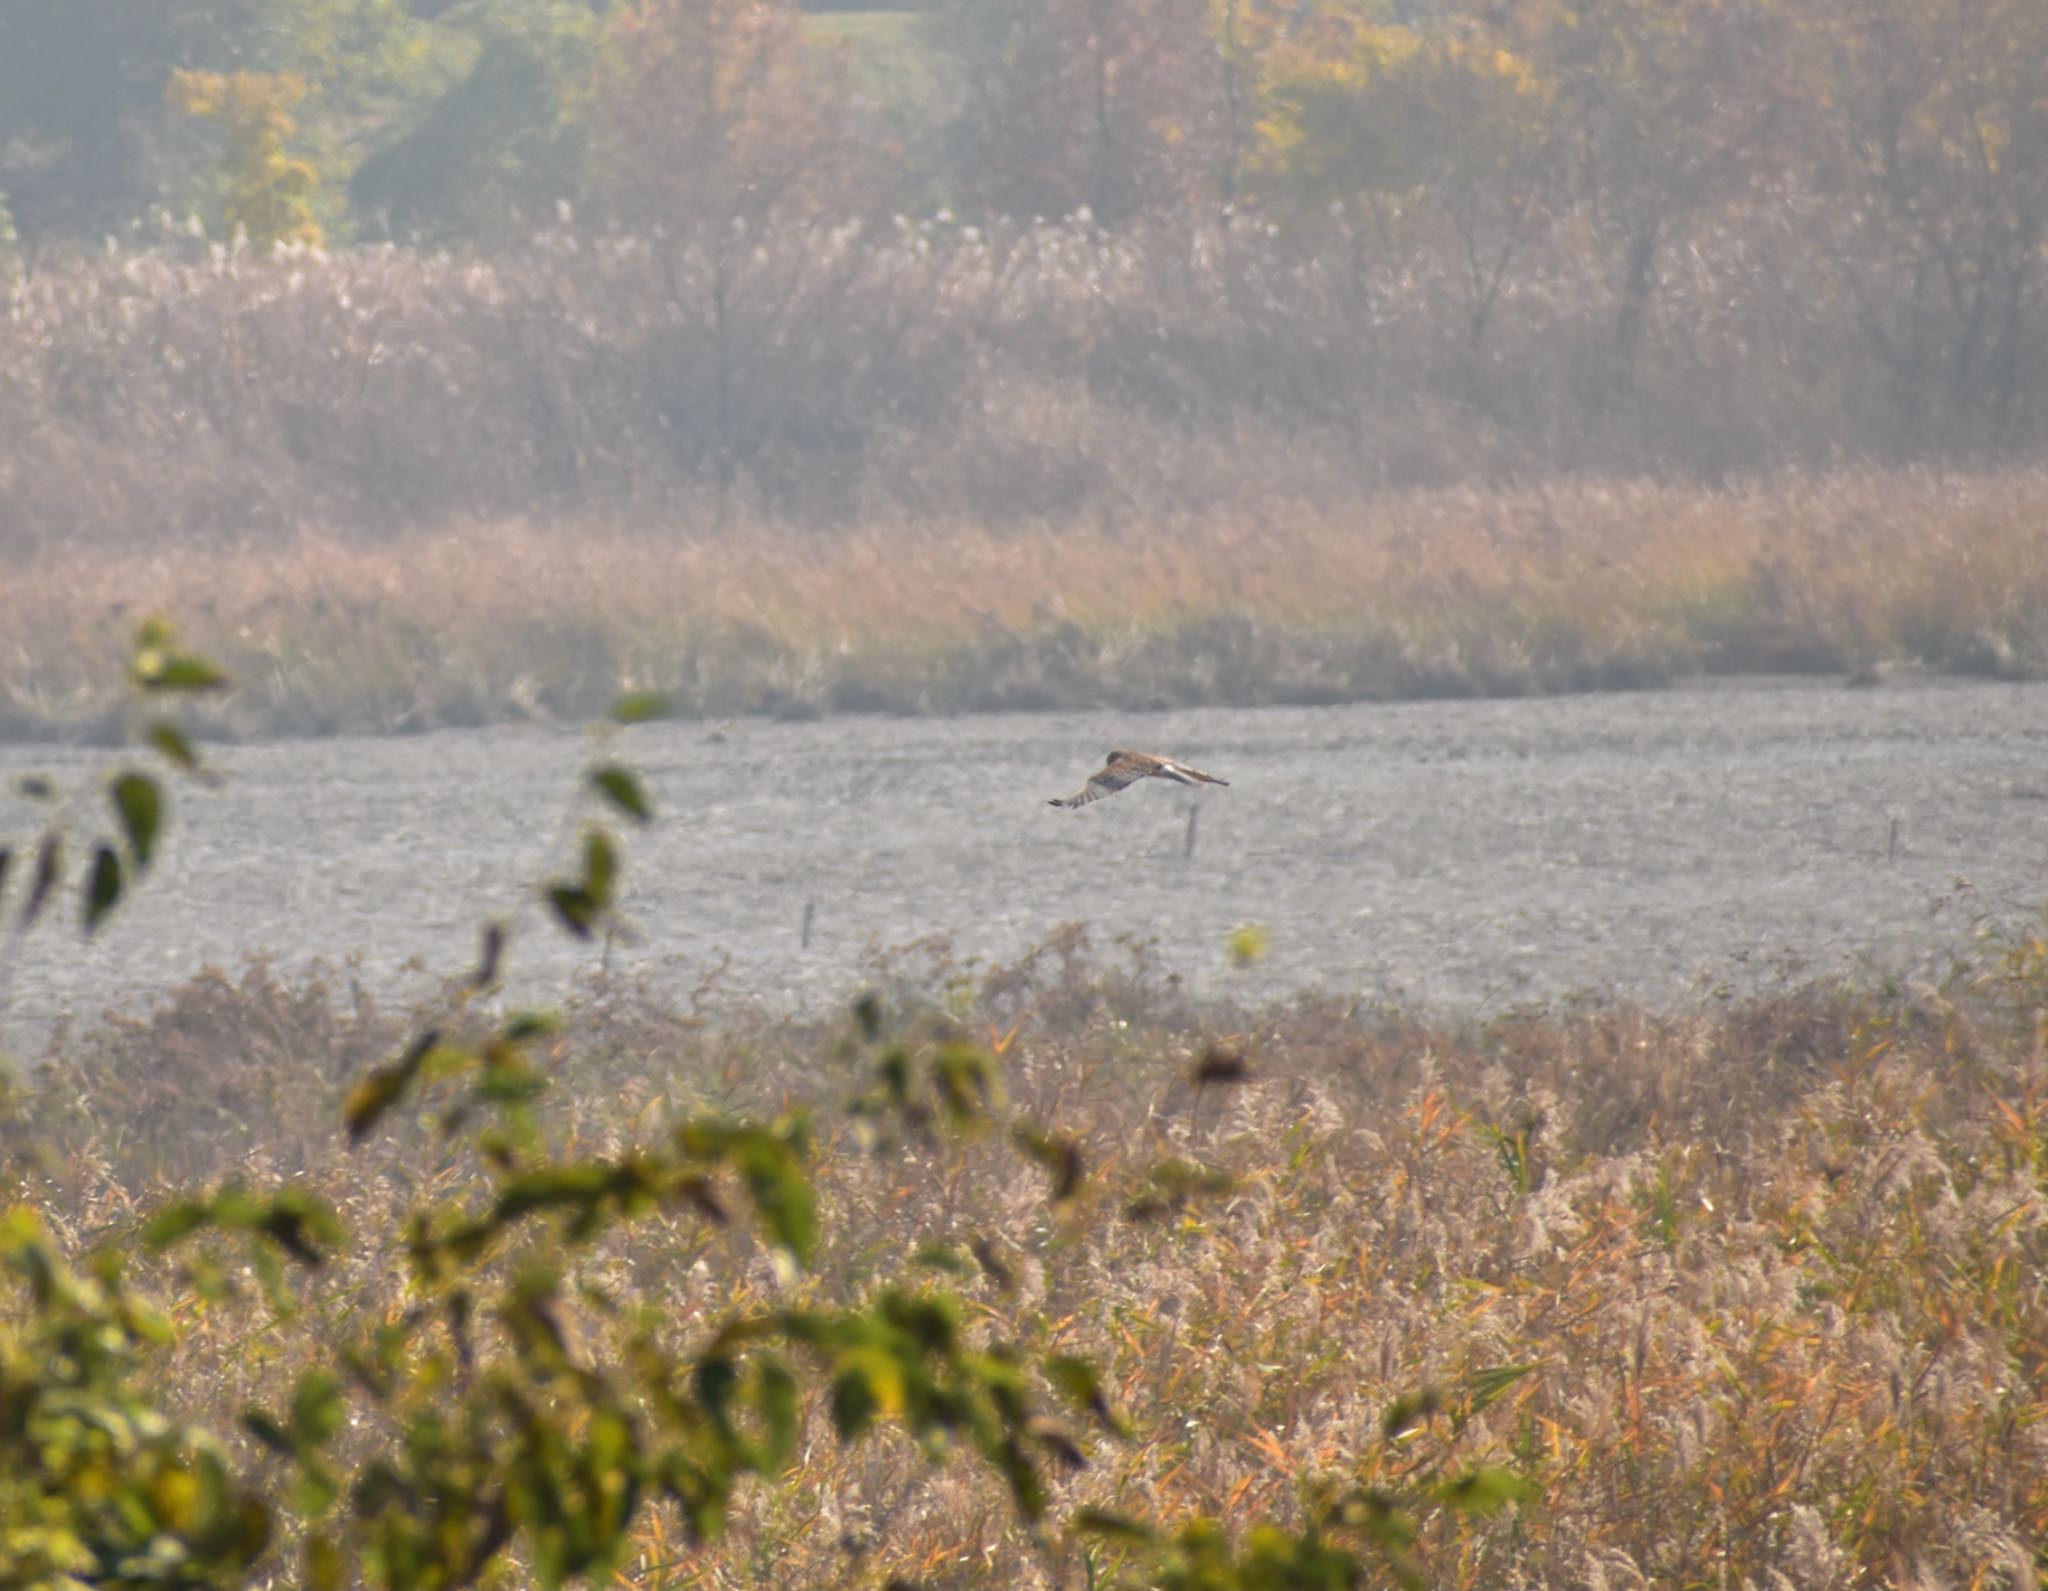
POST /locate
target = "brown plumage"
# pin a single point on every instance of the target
(1128, 767)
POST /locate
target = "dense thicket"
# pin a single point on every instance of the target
(650, 251)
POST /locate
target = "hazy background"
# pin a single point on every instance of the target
(998, 261)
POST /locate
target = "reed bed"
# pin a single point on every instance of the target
(1458, 591)
(834, 375)
(1760, 1288)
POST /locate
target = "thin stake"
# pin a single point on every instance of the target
(810, 911)
(1188, 847)
(1891, 849)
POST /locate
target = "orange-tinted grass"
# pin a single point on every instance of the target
(1772, 1273)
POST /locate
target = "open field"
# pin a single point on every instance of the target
(1456, 856)
(1752, 1296)
(1570, 586)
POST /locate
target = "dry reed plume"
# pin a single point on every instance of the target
(1444, 592)
(1754, 1294)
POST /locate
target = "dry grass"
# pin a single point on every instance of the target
(833, 375)
(1779, 1270)
(1456, 591)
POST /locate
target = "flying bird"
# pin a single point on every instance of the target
(1128, 767)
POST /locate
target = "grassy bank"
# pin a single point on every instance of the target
(1568, 586)
(1756, 1294)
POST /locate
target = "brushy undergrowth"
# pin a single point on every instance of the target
(1566, 586)
(832, 374)
(1756, 1295)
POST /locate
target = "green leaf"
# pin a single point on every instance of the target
(317, 1409)
(523, 1027)
(300, 1224)
(1407, 1409)
(377, 1093)
(574, 908)
(622, 788)
(853, 1404)
(159, 669)
(1058, 1153)
(1486, 1489)
(103, 887)
(175, 1222)
(780, 1413)
(268, 1432)
(942, 1257)
(867, 1011)
(1113, 1526)
(324, 1566)
(1248, 944)
(783, 1196)
(491, 956)
(636, 707)
(1080, 1383)
(172, 743)
(1489, 1383)
(49, 869)
(600, 865)
(139, 805)
(965, 1077)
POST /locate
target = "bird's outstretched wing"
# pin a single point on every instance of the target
(1128, 767)
(1115, 774)
(1168, 769)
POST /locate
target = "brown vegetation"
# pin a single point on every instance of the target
(941, 374)
(1754, 1294)
(1574, 585)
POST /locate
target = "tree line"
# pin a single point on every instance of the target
(1853, 193)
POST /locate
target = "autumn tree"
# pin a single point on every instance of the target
(1661, 111)
(491, 154)
(714, 112)
(1114, 105)
(267, 192)
(1439, 134)
(715, 117)
(88, 118)
(1938, 141)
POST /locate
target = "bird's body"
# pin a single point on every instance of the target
(1128, 767)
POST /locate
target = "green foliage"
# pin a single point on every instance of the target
(490, 151)
(158, 669)
(83, 118)
(97, 1486)
(268, 194)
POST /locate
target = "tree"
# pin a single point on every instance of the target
(716, 117)
(715, 112)
(1661, 110)
(1119, 106)
(1938, 139)
(267, 193)
(503, 143)
(87, 140)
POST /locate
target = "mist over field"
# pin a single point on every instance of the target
(553, 554)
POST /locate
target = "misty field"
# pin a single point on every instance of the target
(1572, 585)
